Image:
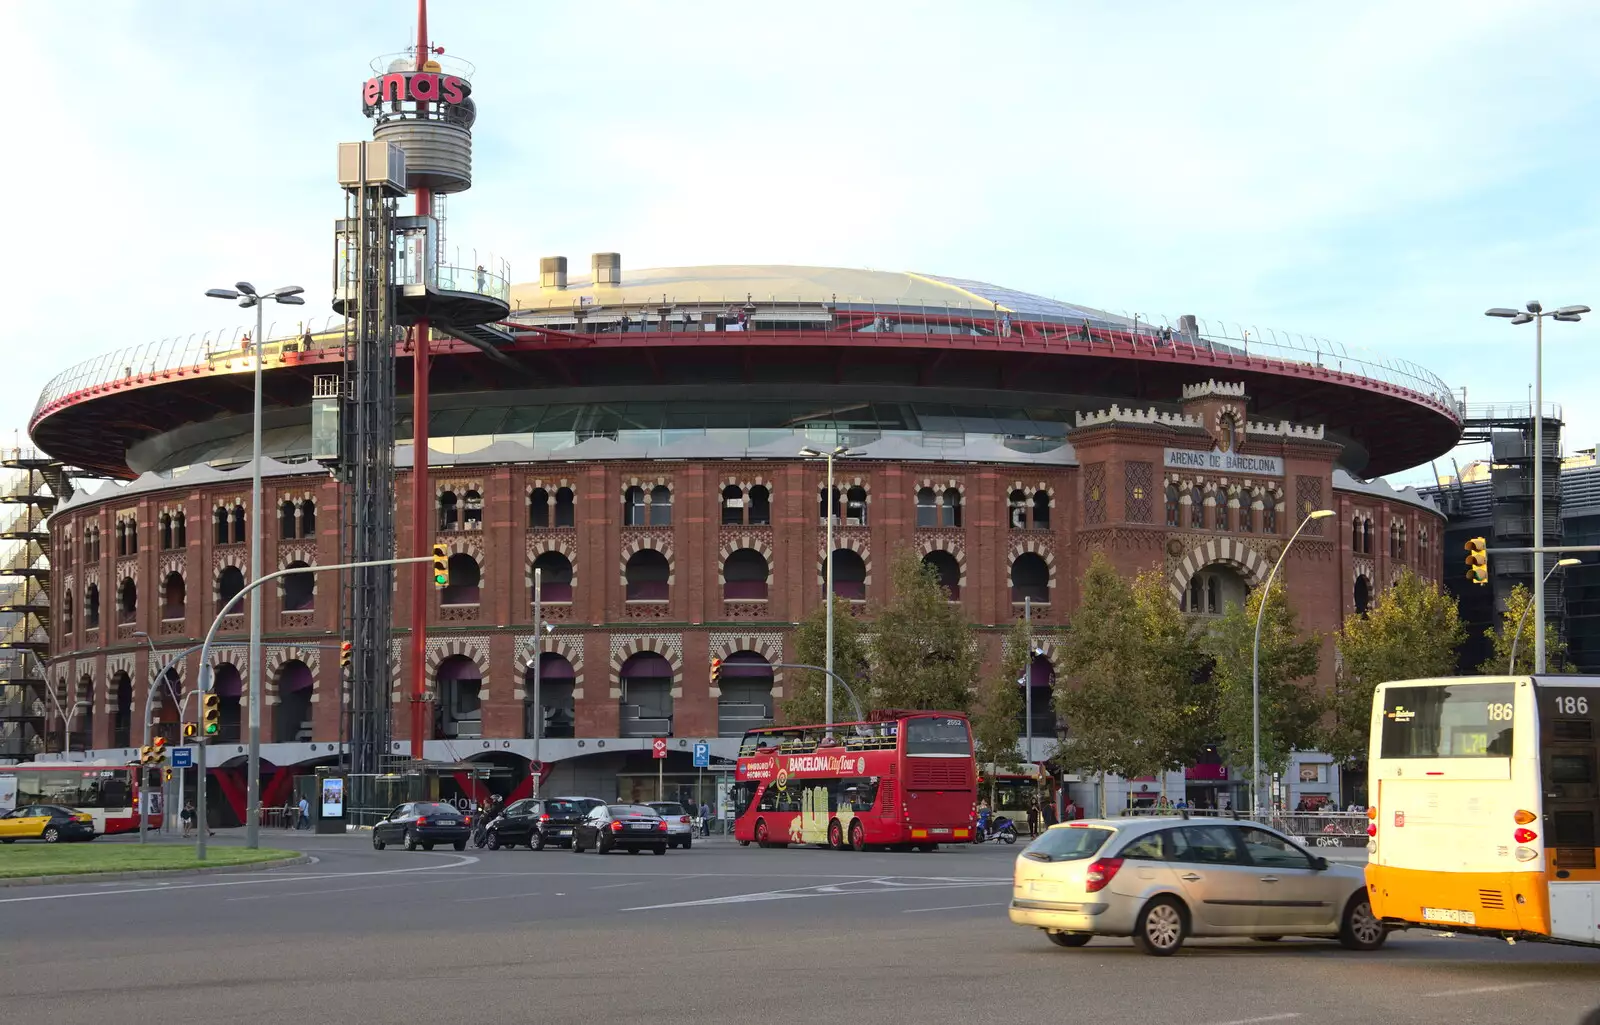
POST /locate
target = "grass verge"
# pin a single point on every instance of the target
(36, 859)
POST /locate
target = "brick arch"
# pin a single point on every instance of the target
(939, 487)
(537, 546)
(647, 485)
(624, 648)
(858, 544)
(474, 648)
(239, 658)
(734, 544)
(289, 555)
(565, 646)
(1042, 548)
(768, 647)
(1029, 490)
(276, 657)
(639, 544)
(956, 549)
(1226, 551)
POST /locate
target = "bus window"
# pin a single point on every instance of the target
(744, 792)
(937, 736)
(1472, 720)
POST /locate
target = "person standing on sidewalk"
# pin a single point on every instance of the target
(1033, 818)
(187, 817)
(305, 814)
(705, 819)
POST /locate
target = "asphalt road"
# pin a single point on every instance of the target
(715, 934)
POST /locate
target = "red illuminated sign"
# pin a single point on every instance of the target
(423, 87)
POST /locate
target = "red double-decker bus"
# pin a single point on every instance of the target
(901, 779)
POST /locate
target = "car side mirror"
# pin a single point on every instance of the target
(1319, 864)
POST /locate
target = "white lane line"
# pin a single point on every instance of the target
(315, 893)
(497, 896)
(615, 886)
(854, 888)
(955, 907)
(458, 860)
(1474, 991)
(1257, 1021)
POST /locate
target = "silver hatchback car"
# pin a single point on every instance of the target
(1160, 880)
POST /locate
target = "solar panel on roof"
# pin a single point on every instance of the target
(1033, 305)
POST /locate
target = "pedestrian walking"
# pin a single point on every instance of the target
(186, 816)
(1033, 817)
(305, 814)
(1070, 812)
(705, 819)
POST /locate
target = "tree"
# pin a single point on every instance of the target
(807, 700)
(1411, 632)
(923, 652)
(1290, 705)
(1124, 679)
(1000, 707)
(1555, 649)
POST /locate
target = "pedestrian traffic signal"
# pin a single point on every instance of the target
(345, 655)
(1477, 561)
(441, 566)
(210, 714)
(716, 672)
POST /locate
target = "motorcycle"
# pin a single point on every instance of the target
(483, 834)
(998, 829)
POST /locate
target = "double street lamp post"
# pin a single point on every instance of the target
(827, 573)
(247, 296)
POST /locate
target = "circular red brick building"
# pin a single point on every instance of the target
(638, 440)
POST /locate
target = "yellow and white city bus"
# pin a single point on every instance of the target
(1485, 802)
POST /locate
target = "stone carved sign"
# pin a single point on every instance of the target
(1223, 462)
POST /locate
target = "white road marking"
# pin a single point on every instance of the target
(316, 893)
(855, 887)
(615, 886)
(497, 896)
(1257, 1021)
(955, 907)
(1474, 991)
(458, 861)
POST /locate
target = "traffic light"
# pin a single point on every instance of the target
(716, 672)
(441, 566)
(168, 775)
(190, 730)
(147, 755)
(345, 654)
(1477, 561)
(210, 714)
(158, 751)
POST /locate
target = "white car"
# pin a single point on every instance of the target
(1160, 880)
(680, 824)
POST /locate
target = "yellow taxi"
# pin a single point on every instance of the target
(48, 822)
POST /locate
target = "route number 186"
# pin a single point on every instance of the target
(1568, 705)
(1499, 712)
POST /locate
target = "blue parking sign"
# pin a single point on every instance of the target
(182, 757)
(702, 755)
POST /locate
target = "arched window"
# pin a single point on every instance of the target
(633, 507)
(293, 713)
(855, 506)
(1030, 578)
(240, 530)
(927, 508)
(180, 530)
(732, 505)
(647, 576)
(472, 514)
(822, 505)
(459, 685)
(746, 699)
(286, 524)
(1366, 536)
(1213, 591)
(173, 596)
(219, 520)
(85, 706)
(91, 607)
(1173, 507)
(166, 531)
(760, 511)
(1017, 504)
(555, 577)
(1197, 507)
(298, 592)
(1213, 596)
(1041, 679)
(949, 572)
(66, 613)
(121, 709)
(950, 511)
(660, 506)
(646, 703)
(1247, 512)
(849, 575)
(449, 511)
(566, 509)
(127, 601)
(1195, 599)
(121, 531)
(744, 576)
(1269, 512)
(1355, 535)
(538, 508)
(465, 577)
(1400, 544)
(1224, 512)
(229, 583)
(1041, 510)
(556, 682)
(1362, 595)
(308, 518)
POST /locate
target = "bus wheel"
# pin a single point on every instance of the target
(761, 832)
(858, 837)
(836, 835)
(1360, 929)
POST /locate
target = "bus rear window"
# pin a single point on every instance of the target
(937, 736)
(1470, 720)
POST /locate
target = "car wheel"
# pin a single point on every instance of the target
(536, 842)
(1160, 927)
(600, 845)
(1266, 939)
(660, 848)
(427, 846)
(493, 843)
(52, 835)
(688, 843)
(460, 845)
(1360, 928)
(1069, 939)
(633, 850)
(577, 848)
(835, 835)
(411, 843)
(377, 841)
(858, 837)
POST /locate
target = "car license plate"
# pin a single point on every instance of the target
(940, 832)
(1450, 915)
(449, 822)
(563, 832)
(1043, 888)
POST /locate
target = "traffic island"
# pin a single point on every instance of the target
(21, 865)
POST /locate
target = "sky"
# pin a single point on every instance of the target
(1374, 173)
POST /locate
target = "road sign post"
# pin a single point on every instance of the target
(183, 758)
(658, 751)
(702, 759)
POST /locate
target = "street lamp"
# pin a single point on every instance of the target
(246, 294)
(827, 585)
(1511, 665)
(149, 699)
(1255, 665)
(541, 629)
(1535, 312)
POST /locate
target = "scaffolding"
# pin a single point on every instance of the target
(31, 719)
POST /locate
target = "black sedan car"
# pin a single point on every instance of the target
(423, 824)
(624, 827)
(539, 823)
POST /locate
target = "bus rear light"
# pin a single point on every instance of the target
(1524, 836)
(1372, 812)
(1372, 829)
(1101, 872)
(1526, 854)
(1524, 817)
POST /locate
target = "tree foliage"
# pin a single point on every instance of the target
(1125, 677)
(1000, 705)
(1290, 705)
(922, 650)
(807, 698)
(1411, 632)
(1518, 603)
